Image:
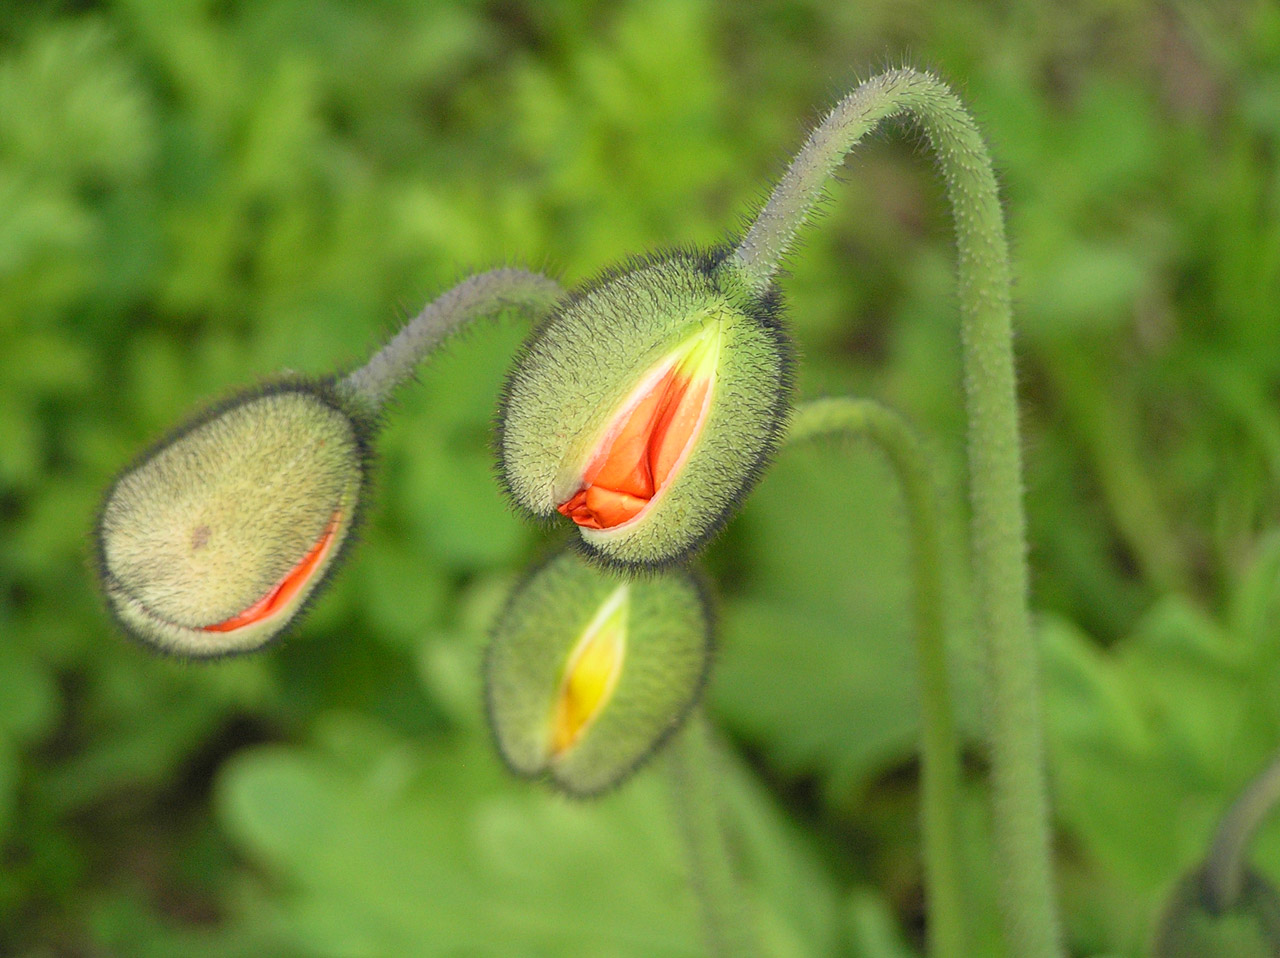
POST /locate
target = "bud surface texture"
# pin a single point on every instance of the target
(213, 542)
(646, 406)
(587, 674)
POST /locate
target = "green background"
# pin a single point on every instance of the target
(196, 194)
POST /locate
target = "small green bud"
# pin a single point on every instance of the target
(588, 673)
(212, 543)
(646, 406)
(1191, 928)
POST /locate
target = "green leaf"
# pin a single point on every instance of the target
(825, 628)
(1149, 743)
(445, 853)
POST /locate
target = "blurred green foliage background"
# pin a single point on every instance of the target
(195, 194)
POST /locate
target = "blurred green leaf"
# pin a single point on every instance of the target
(1150, 741)
(818, 659)
(491, 870)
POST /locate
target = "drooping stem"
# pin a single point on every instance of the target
(1225, 868)
(998, 529)
(692, 778)
(940, 746)
(475, 297)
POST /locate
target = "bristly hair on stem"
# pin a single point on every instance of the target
(998, 523)
(940, 747)
(692, 774)
(481, 295)
(218, 538)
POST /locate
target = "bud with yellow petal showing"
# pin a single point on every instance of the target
(646, 406)
(215, 539)
(589, 673)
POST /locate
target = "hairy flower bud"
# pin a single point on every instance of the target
(645, 407)
(589, 673)
(216, 538)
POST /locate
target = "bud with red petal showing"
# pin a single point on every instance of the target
(589, 673)
(213, 541)
(646, 406)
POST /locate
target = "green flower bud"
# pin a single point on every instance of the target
(213, 541)
(588, 674)
(1190, 927)
(646, 406)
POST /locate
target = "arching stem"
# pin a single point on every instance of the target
(940, 747)
(693, 778)
(475, 297)
(1225, 868)
(998, 525)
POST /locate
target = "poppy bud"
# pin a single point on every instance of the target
(646, 406)
(588, 673)
(215, 539)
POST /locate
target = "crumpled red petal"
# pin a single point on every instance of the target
(624, 476)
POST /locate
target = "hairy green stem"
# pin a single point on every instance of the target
(1225, 868)
(691, 771)
(477, 296)
(998, 525)
(940, 746)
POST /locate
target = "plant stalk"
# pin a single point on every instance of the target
(1225, 868)
(691, 773)
(481, 295)
(940, 746)
(998, 524)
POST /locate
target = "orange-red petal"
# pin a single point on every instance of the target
(676, 426)
(285, 590)
(638, 458)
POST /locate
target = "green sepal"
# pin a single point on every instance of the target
(667, 625)
(210, 520)
(581, 364)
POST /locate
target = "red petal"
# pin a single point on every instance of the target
(638, 458)
(675, 428)
(624, 463)
(609, 507)
(285, 589)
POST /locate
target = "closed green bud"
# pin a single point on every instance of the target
(1191, 927)
(588, 674)
(646, 406)
(212, 543)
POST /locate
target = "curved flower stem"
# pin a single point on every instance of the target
(1225, 868)
(940, 747)
(998, 530)
(691, 772)
(480, 295)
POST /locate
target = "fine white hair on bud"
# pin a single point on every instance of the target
(216, 538)
(588, 673)
(646, 406)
